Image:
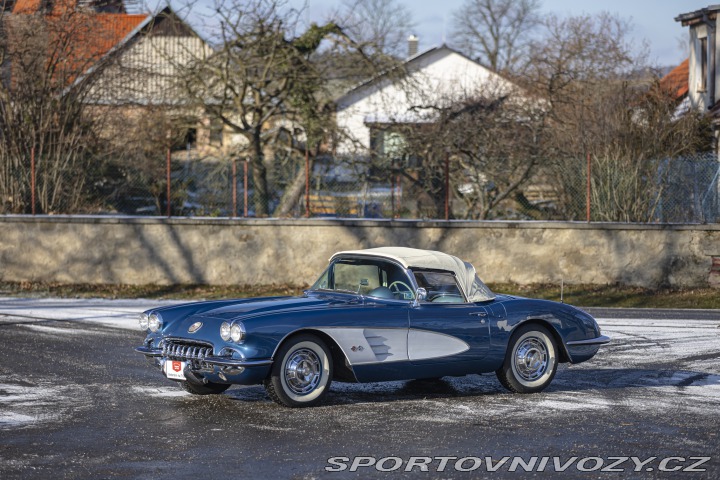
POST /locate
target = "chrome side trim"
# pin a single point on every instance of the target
(230, 362)
(149, 352)
(602, 339)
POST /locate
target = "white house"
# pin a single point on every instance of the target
(406, 95)
(703, 83)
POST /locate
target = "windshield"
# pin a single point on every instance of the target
(368, 277)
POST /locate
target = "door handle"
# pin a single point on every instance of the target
(478, 314)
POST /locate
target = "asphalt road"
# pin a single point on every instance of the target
(77, 402)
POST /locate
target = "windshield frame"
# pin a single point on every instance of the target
(329, 270)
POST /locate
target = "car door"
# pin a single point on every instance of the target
(445, 328)
(375, 330)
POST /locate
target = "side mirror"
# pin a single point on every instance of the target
(420, 295)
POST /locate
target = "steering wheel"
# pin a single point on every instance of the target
(395, 287)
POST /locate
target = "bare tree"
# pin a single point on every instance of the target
(497, 32)
(490, 144)
(378, 27)
(259, 78)
(41, 111)
(603, 104)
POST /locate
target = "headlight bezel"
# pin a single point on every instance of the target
(144, 321)
(237, 332)
(155, 322)
(225, 331)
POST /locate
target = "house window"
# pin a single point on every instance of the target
(387, 143)
(703, 63)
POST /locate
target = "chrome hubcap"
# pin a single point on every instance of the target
(531, 359)
(303, 371)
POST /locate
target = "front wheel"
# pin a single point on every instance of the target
(302, 372)
(530, 361)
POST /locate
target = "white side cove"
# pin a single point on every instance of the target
(423, 345)
(381, 345)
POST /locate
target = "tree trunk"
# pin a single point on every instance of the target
(294, 192)
(260, 194)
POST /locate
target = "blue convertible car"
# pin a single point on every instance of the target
(373, 315)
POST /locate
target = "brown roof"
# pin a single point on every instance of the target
(81, 38)
(676, 82)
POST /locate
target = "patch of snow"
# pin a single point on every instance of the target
(162, 392)
(59, 331)
(12, 419)
(26, 405)
(111, 313)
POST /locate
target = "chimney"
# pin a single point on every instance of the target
(412, 45)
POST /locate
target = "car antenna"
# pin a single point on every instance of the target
(562, 290)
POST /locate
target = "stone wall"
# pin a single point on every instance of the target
(132, 250)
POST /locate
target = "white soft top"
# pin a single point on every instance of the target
(475, 290)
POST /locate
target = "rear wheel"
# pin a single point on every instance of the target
(302, 372)
(207, 389)
(530, 361)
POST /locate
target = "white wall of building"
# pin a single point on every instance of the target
(436, 77)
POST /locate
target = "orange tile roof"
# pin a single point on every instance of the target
(676, 82)
(80, 38)
(109, 30)
(26, 6)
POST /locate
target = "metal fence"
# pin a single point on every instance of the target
(685, 190)
(691, 190)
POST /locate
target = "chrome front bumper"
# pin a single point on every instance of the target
(209, 360)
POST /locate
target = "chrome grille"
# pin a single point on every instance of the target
(185, 351)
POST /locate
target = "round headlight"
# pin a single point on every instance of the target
(154, 322)
(237, 332)
(143, 321)
(225, 331)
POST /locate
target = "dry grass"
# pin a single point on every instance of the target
(618, 296)
(580, 295)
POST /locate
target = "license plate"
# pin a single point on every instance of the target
(174, 370)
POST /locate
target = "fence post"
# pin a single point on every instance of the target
(307, 181)
(398, 195)
(32, 180)
(233, 214)
(393, 186)
(589, 187)
(167, 181)
(245, 187)
(447, 186)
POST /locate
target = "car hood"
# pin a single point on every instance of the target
(263, 307)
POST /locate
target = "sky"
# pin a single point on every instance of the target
(653, 20)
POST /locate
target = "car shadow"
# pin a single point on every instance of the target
(566, 380)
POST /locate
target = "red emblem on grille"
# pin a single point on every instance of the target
(176, 366)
